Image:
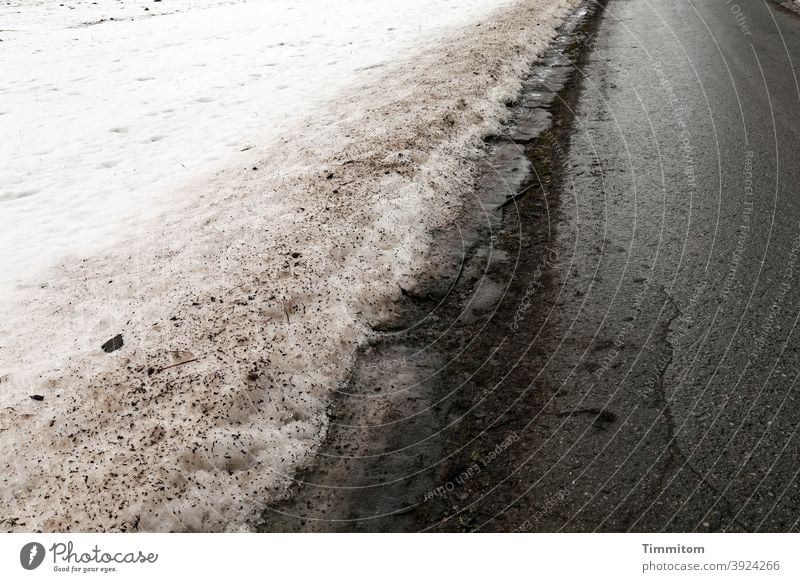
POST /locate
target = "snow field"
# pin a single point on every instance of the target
(241, 309)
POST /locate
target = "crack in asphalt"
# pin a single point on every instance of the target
(673, 447)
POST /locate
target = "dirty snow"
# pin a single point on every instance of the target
(102, 118)
(241, 281)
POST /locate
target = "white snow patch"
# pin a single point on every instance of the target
(242, 306)
(102, 121)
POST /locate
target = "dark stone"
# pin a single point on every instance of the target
(37, 397)
(113, 344)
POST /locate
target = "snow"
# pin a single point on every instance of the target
(101, 121)
(241, 281)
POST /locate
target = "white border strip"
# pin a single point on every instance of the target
(353, 557)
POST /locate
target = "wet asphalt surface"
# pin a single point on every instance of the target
(617, 348)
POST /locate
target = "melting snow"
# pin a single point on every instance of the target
(241, 283)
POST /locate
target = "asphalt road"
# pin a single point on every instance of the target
(667, 365)
(639, 369)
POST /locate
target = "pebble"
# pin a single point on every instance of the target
(113, 344)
